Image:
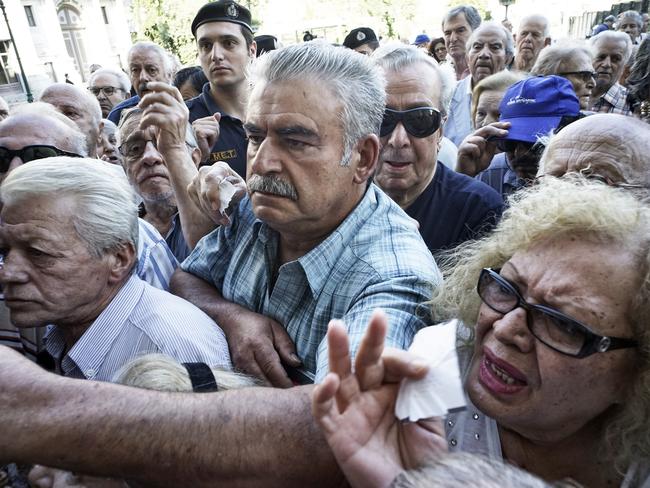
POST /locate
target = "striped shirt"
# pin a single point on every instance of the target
(139, 320)
(614, 101)
(375, 258)
(500, 177)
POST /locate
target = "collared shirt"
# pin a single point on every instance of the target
(454, 208)
(176, 240)
(375, 258)
(116, 112)
(500, 177)
(614, 101)
(459, 121)
(139, 320)
(231, 144)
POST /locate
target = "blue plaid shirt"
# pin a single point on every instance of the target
(375, 258)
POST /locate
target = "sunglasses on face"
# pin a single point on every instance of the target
(418, 122)
(551, 327)
(585, 76)
(31, 153)
(507, 145)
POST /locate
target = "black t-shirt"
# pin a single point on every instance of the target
(231, 145)
(454, 208)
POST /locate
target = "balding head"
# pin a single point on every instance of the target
(80, 107)
(614, 147)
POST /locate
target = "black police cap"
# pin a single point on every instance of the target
(266, 43)
(222, 11)
(358, 37)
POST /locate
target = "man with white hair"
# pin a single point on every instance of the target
(110, 86)
(612, 50)
(147, 61)
(631, 23)
(69, 231)
(532, 36)
(490, 49)
(450, 207)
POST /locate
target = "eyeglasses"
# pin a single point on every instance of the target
(585, 76)
(552, 328)
(134, 148)
(508, 145)
(106, 90)
(419, 122)
(31, 153)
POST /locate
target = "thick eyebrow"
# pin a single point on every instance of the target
(297, 130)
(221, 38)
(252, 128)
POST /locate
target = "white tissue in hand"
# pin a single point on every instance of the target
(226, 192)
(441, 389)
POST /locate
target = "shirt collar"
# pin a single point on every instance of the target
(89, 351)
(211, 104)
(613, 94)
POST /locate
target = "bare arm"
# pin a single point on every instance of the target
(477, 150)
(242, 438)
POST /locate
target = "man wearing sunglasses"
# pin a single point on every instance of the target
(507, 153)
(449, 207)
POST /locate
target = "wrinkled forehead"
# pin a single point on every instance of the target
(20, 131)
(488, 34)
(145, 55)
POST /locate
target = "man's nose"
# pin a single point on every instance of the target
(264, 159)
(12, 270)
(399, 137)
(151, 156)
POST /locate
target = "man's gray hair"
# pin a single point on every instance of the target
(106, 216)
(610, 35)
(509, 44)
(537, 17)
(352, 78)
(631, 14)
(123, 80)
(169, 64)
(397, 56)
(74, 138)
(551, 59)
(471, 15)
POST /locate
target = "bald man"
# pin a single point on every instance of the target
(80, 107)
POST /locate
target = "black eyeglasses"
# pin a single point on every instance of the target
(134, 148)
(31, 153)
(419, 122)
(552, 328)
(106, 90)
(585, 76)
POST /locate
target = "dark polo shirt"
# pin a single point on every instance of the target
(231, 145)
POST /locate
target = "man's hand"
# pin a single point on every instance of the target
(206, 130)
(259, 346)
(164, 108)
(356, 410)
(477, 149)
(206, 191)
(44, 477)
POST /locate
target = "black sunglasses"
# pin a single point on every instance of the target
(31, 153)
(419, 122)
(551, 327)
(508, 145)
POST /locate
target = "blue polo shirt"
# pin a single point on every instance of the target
(116, 113)
(454, 208)
(231, 145)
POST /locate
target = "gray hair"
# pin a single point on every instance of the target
(610, 35)
(632, 14)
(396, 56)
(471, 15)
(352, 78)
(75, 139)
(123, 80)
(106, 216)
(552, 58)
(169, 62)
(163, 373)
(541, 18)
(109, 127)
(507, 35)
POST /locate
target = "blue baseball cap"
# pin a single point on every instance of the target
(421, 39)
(535, 106)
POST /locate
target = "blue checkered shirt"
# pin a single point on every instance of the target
(375, 258)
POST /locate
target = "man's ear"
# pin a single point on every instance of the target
(196, 156)
(122, 259)
(367, 150)
(547, 41)
(252, 50)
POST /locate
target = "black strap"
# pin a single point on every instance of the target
(201, 377)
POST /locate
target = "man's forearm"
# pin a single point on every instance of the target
(241, 438)
(205, 296)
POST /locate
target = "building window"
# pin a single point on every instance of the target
(7, 74)
(105, 15)
(30, 16)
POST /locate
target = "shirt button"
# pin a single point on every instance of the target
(453, 442)
(475, 416)
(450, 423)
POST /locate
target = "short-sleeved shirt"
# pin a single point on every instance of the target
(454, 208)
(375, 258)
(500, 176)
(116, 112)
(459, 121)
(231, 144)
(140, 320)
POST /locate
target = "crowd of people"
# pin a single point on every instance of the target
(285, 226)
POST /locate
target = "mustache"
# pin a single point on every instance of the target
(272, 185)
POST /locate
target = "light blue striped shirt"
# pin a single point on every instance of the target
(140, 320)
(156, 262)
(375, 258)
